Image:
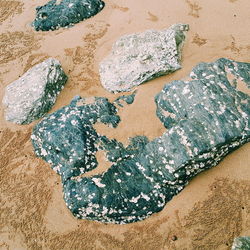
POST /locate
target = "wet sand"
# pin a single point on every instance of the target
(212, 210)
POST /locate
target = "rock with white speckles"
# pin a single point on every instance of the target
(241, 243)
(207, 118)
(66, 138)
(34, 94)
(140, 57)
(63, 13)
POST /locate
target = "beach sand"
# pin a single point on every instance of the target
(212, 210)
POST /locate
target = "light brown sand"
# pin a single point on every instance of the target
(212, 210)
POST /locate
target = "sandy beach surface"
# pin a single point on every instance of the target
(212, 210)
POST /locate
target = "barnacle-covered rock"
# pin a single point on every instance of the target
(137, 58)
(34, 93)
(210, 96)
(241, 243)
(66, 138)
(61, 13)
(207, 118)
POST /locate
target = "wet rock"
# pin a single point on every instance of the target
(128, 99)
(140, 57)
(67, 140)
(241, 243)
(33, 94)
(62, 13)
(115, 151)
(207, 118)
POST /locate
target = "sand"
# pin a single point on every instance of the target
(212, 210)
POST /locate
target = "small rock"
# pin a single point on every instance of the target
(241, 243)
(129, 99)
(174, 238)
(56, 14)
(34, 93)
(140, 57)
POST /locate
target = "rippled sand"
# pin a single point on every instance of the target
(212, 210)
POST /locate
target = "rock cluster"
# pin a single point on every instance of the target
(34, 93)
(137, 58)
(207, 118)
(56, 14)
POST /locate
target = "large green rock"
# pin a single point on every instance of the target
(137, 58)
(32, 95)
(207, 118)
(56, 14)
(241, 243)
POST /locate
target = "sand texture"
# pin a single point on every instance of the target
(208, 214)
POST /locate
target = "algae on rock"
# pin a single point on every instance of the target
(207, 118)
(33, 94)
(137, 58)
(54, 14)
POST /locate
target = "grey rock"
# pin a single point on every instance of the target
(241, 243)
(140, 57)
(34, 93)
(65, 13)
(128, 99)
(67, 140)
(207, 118)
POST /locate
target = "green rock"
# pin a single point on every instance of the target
(241, 243)
(129, 99)
(66, 138)
(33, 94)
(137, 58)
(56, 14)
(207, 118)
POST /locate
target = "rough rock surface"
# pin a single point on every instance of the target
(33, 94)
(67, 140)
(241, 243)
(56, 13)
(137, 58)
(207, 118)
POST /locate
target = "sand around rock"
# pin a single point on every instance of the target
(208, 214)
